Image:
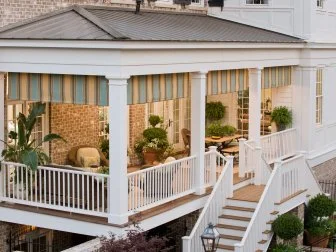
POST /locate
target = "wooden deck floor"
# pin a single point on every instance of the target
(250, 193)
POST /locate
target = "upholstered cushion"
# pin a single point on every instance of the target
(88, 152)
(90, 161)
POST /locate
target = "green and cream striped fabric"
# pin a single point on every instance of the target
(93, 90)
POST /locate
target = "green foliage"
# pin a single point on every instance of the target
(321, 227)
(282, 116)
(154, 120)
(214, 111)
(285, 248)
(321, 206)
(287, 226)
(21, 149)
(215, 129)
(152, 133)
(105, 147)
(103, 170)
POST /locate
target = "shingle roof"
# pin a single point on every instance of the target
(103, 23)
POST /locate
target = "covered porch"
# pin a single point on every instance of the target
(118, 74)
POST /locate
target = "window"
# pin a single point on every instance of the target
(103, 121)
(196, 1)
(320, 3)
(256, 1)
(319, 95)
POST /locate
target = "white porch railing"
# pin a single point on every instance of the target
(288, 177)
(160, 184)
(279, 145)
(59, 189)
(247, 158)
(213, 208)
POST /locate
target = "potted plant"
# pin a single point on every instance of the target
(319, 226)
(282, 117)
(214, 111)
(287, 227)
(20, 148)
(215, 130)
(285, 248)
(154, 144)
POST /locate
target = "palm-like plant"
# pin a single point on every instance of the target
(22, 150)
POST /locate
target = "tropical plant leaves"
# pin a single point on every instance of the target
(30, 159)
(13, 135)
(50, 137)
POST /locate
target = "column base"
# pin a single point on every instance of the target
(118, 219)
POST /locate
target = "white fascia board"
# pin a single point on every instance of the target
(141, 44)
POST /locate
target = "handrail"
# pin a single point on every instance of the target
(265, 162)
(224, 174)
(278, 133)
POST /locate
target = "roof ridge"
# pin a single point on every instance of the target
(35, 19)
(98, 22)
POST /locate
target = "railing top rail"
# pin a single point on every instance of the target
(292, 159)
(160, 166)
(60, 170)
(278, 133)
(260, 203)
(249, 145)
(265, 162)
(207, 204)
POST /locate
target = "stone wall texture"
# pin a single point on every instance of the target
(326, 170)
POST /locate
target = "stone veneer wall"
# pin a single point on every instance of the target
(326, 170)
(12, 11)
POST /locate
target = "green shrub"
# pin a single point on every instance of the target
(152, 133)
(215, 129)
(321, 206)
(282, 116)
(154, 120)
(105, 147)
(285, 248)
(214, 111)
(229, 130)
(287, 226)
(321, 227)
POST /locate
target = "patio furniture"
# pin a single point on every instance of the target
(231, 150)
(186, 134)
(82, 154)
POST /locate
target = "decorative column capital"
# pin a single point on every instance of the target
(200, 75)
(256, 70)
(114, 80)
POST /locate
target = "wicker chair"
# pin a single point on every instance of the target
(72, 156)
(186, 140)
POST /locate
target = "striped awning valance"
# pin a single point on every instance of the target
(93, 90)
(227, 81)
(277, 77)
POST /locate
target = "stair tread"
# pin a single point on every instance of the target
(267, 232)
(269, 222)
(227, 247)
(262, 242)
(234, 217)
(246, 209)
(274, 212)
(231, 227)
(231, 237)
(259, 250)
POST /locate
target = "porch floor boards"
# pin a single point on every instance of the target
(251, 193)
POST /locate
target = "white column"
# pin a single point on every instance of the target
(254, 104)
(198, 84)
(213, 164)
(118, 183)
(242, 168)
(2, 124)
(304, 106)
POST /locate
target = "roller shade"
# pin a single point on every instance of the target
(93, 90)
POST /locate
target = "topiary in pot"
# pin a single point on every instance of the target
(215, 130)
(318, 224)
(285, 248)
(229, 130)
(287, 226)
(214, 111)
(282, 117)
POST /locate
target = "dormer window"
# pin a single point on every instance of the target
(257, 1)
(320, 3)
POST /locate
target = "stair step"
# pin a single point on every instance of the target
(270, 222)
(231, 227)
(241, 203)
(231, 237)
(226, 247)
(246, 209)
(267, 232)
(259, 250)
(262, 242)
(275, 213)
(233, 217)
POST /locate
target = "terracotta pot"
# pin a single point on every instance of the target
(317, 241)
(150, 157)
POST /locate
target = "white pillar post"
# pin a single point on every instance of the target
(2, 126)
(254, 104)
(118, 183)
(258, 177)
(213, 164)
(242, 165)
(198, 84)
(230, 160)
(304, 106)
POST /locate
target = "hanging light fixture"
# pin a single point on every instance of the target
(210, 238)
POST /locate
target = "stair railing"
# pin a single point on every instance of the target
(222, 190)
